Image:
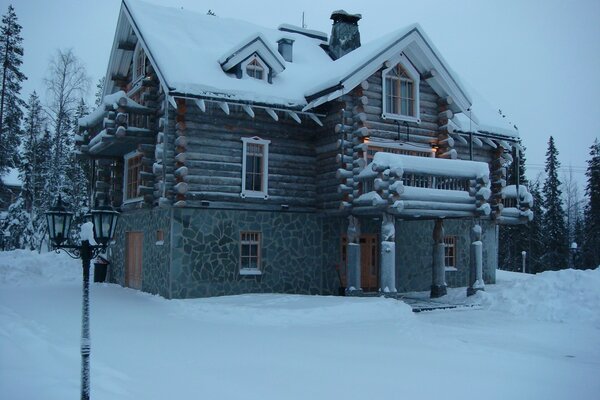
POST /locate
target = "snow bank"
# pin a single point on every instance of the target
(28, 268)
(291, 310)
(560, 296)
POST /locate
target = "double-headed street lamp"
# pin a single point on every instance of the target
(59, 221)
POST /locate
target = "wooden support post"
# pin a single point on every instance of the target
(387, 275)
(476, 264)
(353, 276)
(438, 285)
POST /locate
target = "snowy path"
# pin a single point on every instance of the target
(280, 346)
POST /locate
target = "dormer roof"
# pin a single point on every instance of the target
(255, 44)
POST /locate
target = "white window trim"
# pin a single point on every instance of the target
(252, 271)
(415, 76)
(127, 157)
(265, 168)
(266, 69)
(135, 78)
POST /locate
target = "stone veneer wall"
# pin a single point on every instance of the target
(206, 251)
(155, 258)
(414, 248)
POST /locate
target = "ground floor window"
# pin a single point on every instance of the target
(250, 259)
(450, 253)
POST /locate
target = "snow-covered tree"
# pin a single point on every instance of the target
(556, 250)
(99, 91)
(535, 231)
(591, 243)
(513, 239)
(66, 83)
(11, 77)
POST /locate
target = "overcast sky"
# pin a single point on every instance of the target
(536, 60)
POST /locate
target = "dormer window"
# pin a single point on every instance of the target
(255, 68)
(401, 91)
(139, 63)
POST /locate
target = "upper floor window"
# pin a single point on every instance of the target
(131, 175)
(401, 91)
(139, 63)
(255, 167)
(255, 68)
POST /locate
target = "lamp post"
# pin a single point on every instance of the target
(59, 221)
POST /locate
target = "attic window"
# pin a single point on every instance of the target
(139, 63)
(255, 68)
(401, 91)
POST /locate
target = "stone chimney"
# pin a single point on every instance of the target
(344, 33)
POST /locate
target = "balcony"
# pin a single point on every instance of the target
(423, 188)
(116, 127)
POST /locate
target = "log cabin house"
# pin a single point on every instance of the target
(247, 159)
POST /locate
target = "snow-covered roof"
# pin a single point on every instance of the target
(189, 48)
(11, 178)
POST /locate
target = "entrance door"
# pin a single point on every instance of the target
(369, 261)
(133, 260)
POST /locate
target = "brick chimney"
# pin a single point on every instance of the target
(345, 36)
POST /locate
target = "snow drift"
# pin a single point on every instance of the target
(561, 296)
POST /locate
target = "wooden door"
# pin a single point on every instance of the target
(133, 260)
(369, 262)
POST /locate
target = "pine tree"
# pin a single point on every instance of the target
(534, 230)
(591, 241)
(11, 77)
(556, 251)
(513, 239)
(99, 91)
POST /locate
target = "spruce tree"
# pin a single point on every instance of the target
(533, 230)
(11, 77)
(99, 91)
(591, 241)
(513, 238)
(556, 251)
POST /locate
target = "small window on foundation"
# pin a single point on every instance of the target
(160, 237)
(450, 253)
(250, 259)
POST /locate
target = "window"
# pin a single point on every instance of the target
(450, 253)
(255, 68)
(139, 63)
(250, 260)
(160, 237)
(401, 91)
(255, 167)
(133, 166)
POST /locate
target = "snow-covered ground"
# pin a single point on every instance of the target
(535, 337)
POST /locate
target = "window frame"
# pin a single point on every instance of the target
(414, 75)
(249, 242)
(264, 193)
(126, 159)
(450, 241)
(136, 77)
(255, 58)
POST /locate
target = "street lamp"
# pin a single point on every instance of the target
(59, 221)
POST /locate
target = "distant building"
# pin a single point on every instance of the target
(9, 189)
(247, 159)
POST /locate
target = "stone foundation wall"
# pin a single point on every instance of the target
(414, 253)
(155, 257)
(206, 253)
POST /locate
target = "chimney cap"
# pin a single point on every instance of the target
(343, 16)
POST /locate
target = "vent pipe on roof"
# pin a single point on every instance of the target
(345, 36)
(285, 48)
